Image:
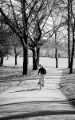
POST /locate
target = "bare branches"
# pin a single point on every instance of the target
(14, 15)
(12, 26)
(32, 8)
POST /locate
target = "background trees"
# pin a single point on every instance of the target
(4, 42)
(15, 45)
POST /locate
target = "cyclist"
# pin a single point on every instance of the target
(41, 73)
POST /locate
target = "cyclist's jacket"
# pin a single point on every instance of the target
(42, 70)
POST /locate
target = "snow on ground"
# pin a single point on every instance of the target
(46, 61)
(67, 85)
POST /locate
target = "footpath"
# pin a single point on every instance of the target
(26, 100)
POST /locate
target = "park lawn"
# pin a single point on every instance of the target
(67, 84)
(11, 77)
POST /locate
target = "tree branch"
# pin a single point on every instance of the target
(12, 26)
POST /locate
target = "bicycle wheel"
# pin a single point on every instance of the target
(40, 85)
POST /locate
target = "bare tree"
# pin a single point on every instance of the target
(37, 31)
(73, 34)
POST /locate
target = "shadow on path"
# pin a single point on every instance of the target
(30, 89)
(38, 113)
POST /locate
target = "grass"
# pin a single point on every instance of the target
(10, 77)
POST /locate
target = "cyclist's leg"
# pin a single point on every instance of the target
(39, 82)
(42, 80)
(39, 79)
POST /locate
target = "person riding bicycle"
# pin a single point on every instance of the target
(41, 73)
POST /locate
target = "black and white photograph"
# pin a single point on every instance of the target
(37, 59)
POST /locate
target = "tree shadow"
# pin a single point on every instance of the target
(37, 114)
(30, 89)
(67, 85)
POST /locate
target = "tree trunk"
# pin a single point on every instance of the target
(25, 61)
(38, 52)
(73, 47)
(15, 56)
(34, 60)
(1, 61)
(25, 36)
(56, 57)
(56, 50)
(16, 59)
(69, 8)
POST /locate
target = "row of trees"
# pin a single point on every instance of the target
(28, 21)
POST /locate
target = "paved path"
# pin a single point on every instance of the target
(28, 100)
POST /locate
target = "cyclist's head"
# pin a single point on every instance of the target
(39, 65)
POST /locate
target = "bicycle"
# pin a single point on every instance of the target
(41, 73)
(41, 81)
